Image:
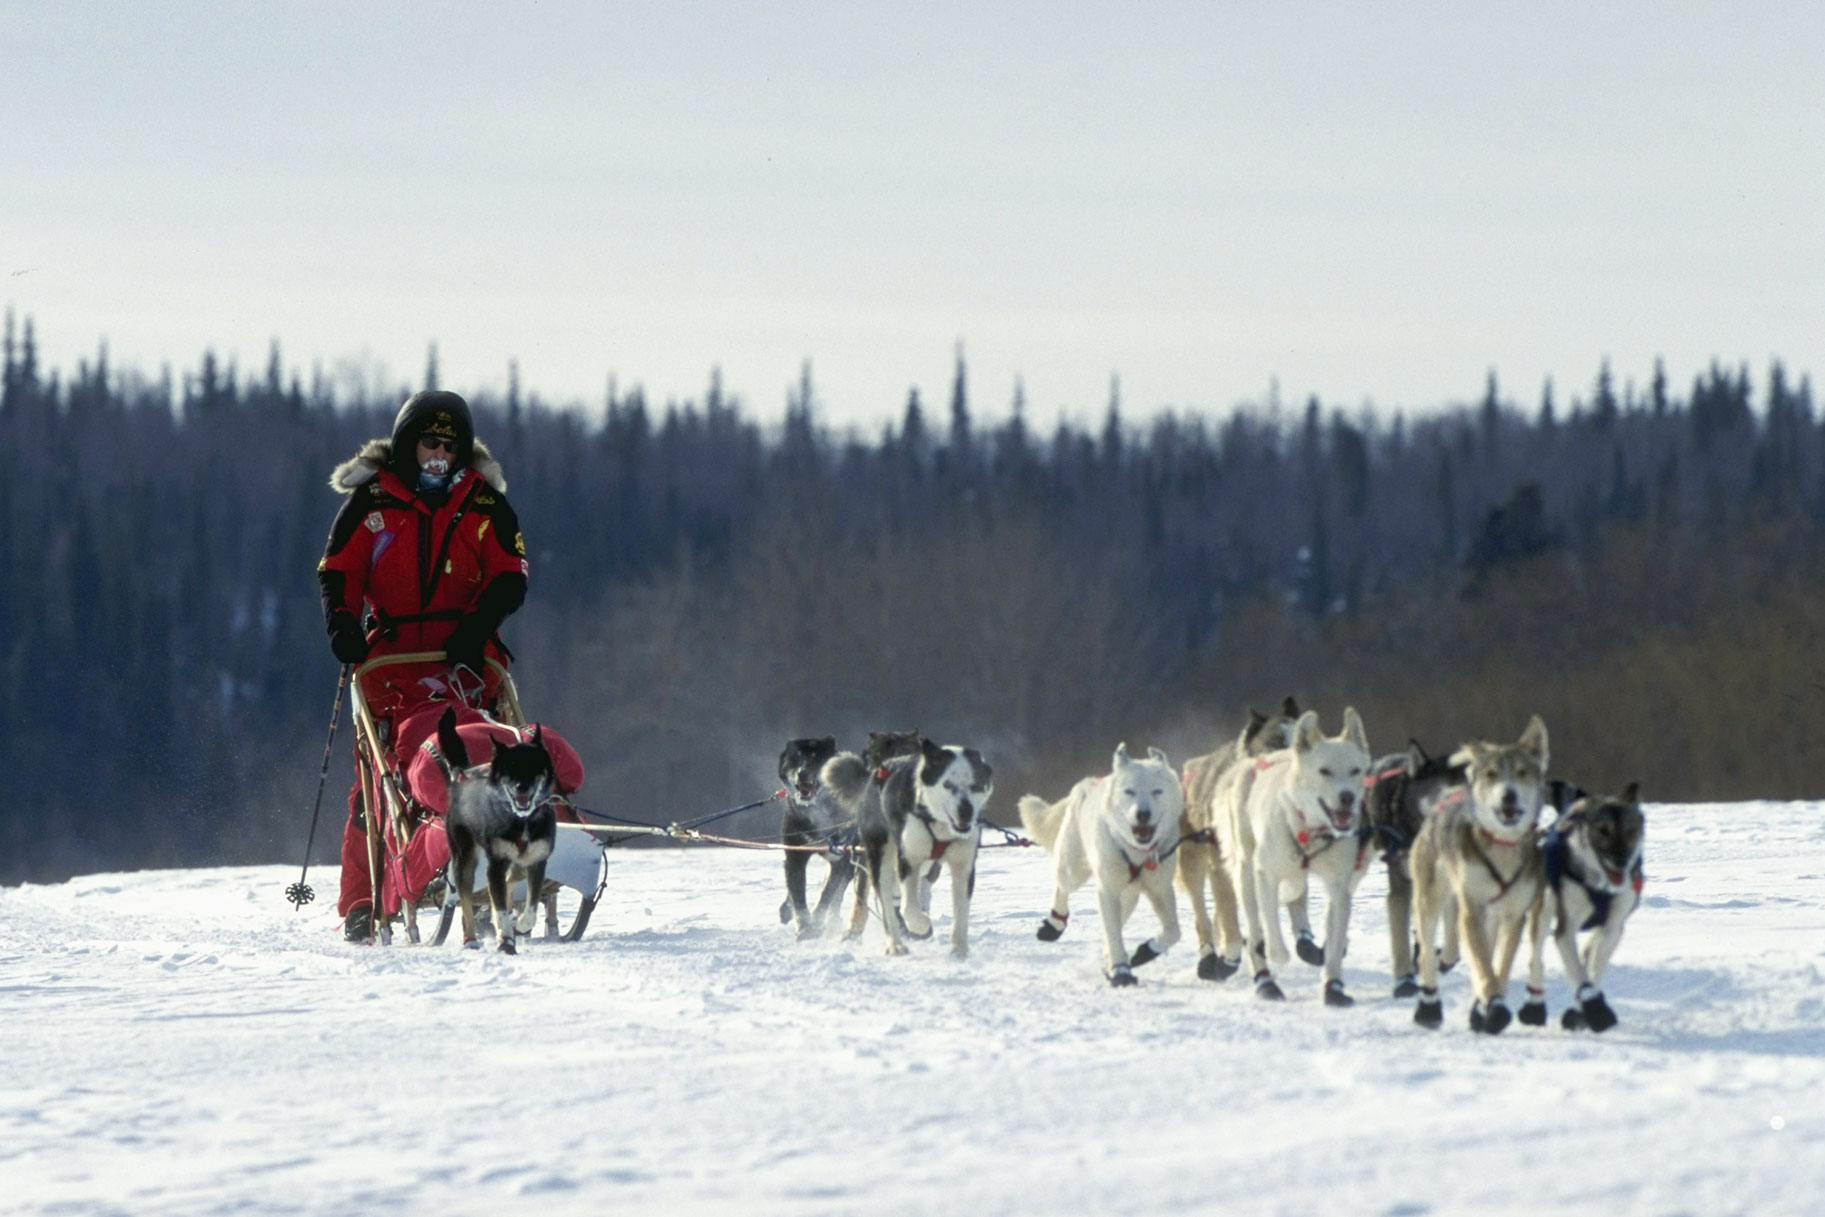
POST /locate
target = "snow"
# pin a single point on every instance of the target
(186, 1042)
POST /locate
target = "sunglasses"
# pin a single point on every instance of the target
(437, 442)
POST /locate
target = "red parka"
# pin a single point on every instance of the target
(422, 566)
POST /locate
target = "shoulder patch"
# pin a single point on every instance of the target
(519, 544)
(375, 521)
(485, 499)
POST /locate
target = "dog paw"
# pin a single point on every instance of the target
(897, 948)
(785, 912)
(1572, 1019)
(1266, 989)
(960, 950)
(1495, 1017)
(808, 930)
(918, 930)
(1215, 967)
(1121, 976)
(1335, 997)
(1406, 986)
(1052, 926)
(1597, 1013)
(1309, 950)
(1533, 1012)
(1147, 952)
(472, 944)
(507, 947)
(1429, 1012)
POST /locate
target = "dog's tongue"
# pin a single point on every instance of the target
(1144, 833)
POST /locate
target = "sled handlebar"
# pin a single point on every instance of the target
(405, 657)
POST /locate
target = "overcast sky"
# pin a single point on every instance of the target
(1370, 202)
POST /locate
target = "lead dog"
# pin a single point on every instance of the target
(1119, 829)
(1199, 865)
(502, 814)
(814, 816)
(1479, 848)
(1592, 858)
(1289, 816)
(915, 812)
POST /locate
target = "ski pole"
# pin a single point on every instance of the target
(300, 893)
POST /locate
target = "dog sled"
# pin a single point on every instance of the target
(403, 796)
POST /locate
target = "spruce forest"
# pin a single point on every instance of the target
(1639, 563)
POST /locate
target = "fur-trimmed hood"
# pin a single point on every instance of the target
(375, 455)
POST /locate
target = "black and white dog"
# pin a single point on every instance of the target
(500, 812)
(856, 780)
(813, 817)
(1593, 882)
(919, 811)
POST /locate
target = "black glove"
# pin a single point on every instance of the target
(347, 642)
(465, 645)
(477, 626)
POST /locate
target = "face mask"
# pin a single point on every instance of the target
(434, 476)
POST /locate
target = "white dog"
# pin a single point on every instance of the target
(1288, 816)
(1122, 829)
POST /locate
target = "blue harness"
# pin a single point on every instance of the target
(1556, 850)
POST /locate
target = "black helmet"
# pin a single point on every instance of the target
(431, 412)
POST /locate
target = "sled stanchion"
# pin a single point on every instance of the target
(300, 893)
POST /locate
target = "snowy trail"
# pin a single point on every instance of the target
(183, 1042)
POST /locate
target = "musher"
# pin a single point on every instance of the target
(426, 555)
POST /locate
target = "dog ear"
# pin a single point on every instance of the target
(1416, 758)
(1353, 730)
(1256, 721)
(1154, 754)
(1534, 739)
(934, 754)
(1289, 707)
(1305, 731)
(980, 771)
(1631, 793)
(1418, 750)
(1121, 756)
(829, 741)
(449, 742)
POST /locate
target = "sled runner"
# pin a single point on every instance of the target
(404, 794)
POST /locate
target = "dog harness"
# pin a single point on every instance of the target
(1559, 866)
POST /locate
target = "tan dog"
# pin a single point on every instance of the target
(1479, 848)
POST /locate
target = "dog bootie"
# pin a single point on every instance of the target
(1122, 976)
(1052, 927)
(1597, 1013)
(1308, 949)
(1265, 988)
(1429, 1012)
(1147, 952)
(1490, 1019)
(1407, 986)
(1533, 1010)
(1215, 967)
(1334, 995)
(359, 925)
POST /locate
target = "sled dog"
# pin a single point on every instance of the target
(855, 782)
(1292, 815)
(1120, 828)
(1592, 857)
(1198, 864)
(814, 816)
(920, 811)
(1478, 848)
(1400, 788)
(500, 812)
